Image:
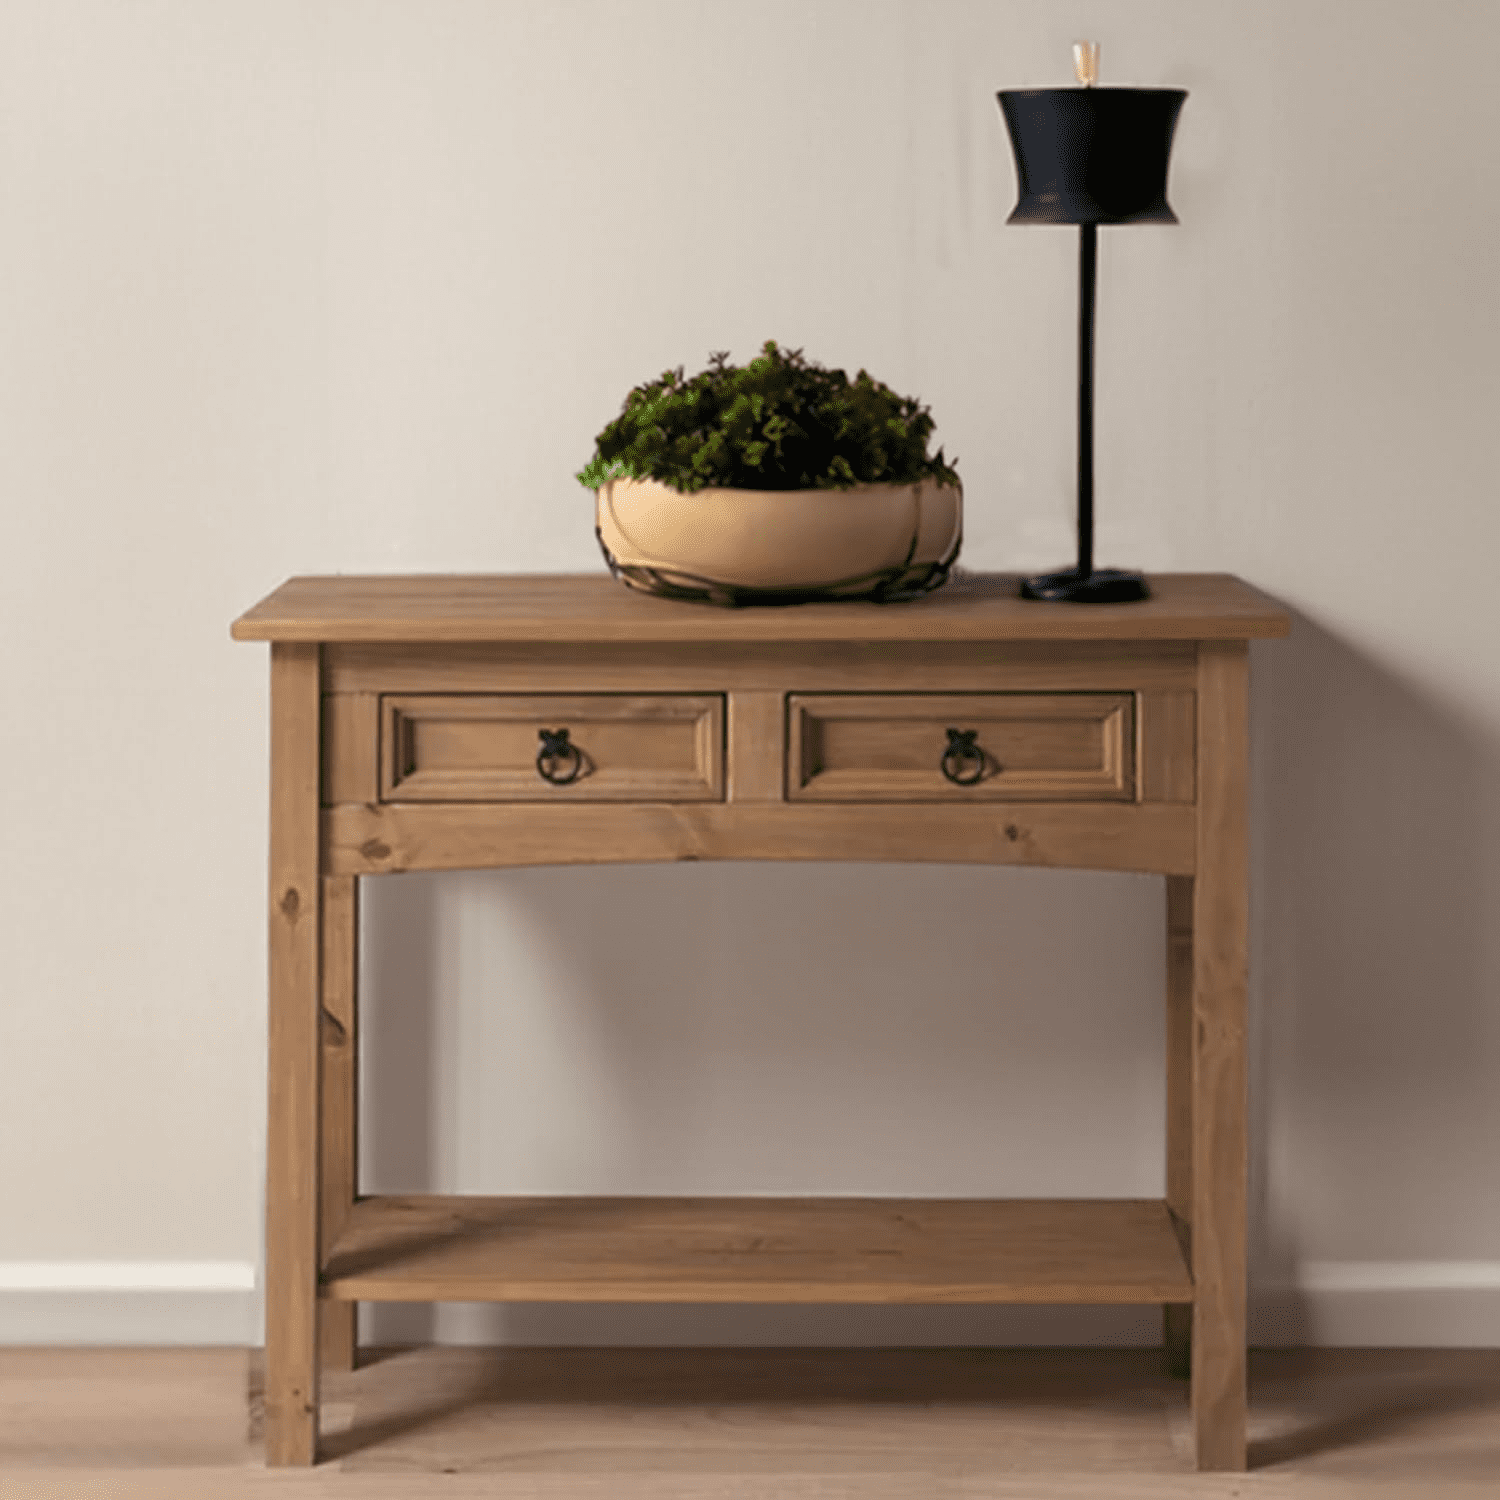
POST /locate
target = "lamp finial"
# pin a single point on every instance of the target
(1086, 63)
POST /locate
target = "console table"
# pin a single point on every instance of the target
(446, 723)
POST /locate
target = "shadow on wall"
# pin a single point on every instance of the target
(1376, 1049)
(396, 1044)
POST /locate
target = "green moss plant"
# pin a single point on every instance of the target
(781, 422)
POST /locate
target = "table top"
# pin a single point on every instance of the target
(595, 607)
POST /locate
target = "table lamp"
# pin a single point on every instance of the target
(1089, 156)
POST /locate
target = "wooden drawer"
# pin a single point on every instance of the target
(891, 747)
(483, 747)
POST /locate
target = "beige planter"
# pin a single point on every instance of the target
(742, 546)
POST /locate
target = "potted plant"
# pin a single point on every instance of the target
(773, 482)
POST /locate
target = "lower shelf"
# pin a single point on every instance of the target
(919, 1250)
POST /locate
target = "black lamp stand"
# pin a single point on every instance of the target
(1089, 156)
(1084, 583)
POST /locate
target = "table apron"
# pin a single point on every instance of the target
(1154, 838)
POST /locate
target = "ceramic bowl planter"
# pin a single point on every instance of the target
(738, 546)
(777, 482)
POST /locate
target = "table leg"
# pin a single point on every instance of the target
(340, 1135)
(1177, 1317)
(292, 1156)
(1220, 1105)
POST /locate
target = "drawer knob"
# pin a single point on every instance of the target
(559, 760)
(963, 762)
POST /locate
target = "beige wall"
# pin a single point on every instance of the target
(340, 285)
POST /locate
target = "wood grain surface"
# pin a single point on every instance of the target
(293, 1199)
(756, 750)
(364, 662)
(1220, 948)
(1118, 665)
(593, 607)
(1151, 837)
(1167, 730)
(482, 747)
(340, 1102)
(890, 747)
(1177, 1319)
(757, 1250)
(748, 1424)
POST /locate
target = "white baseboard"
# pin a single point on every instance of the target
(127, 1276)
(129, 1302)
(1390, 1304)
(1404, 1304)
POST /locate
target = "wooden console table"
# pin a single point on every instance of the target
(445, 723)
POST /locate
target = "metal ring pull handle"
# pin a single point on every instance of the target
(559, 760)
(963, 761)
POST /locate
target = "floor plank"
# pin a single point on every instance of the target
(895, 1424)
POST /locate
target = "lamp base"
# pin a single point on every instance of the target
(1102, 586)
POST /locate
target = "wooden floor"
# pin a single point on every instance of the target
(750, 1424)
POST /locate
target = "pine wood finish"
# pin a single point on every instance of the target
(756, 765)
(1167, 728)
(1177, 1326)
(383, 840)
(482, 747)
(1028, 747)
(998, 665)
(410, 1249)
(340, 1062)
(589, 609)
(404, 719)
(1220, 1076)
(293, 1126)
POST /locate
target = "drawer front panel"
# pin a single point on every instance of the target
(996, 747)
(618, 747)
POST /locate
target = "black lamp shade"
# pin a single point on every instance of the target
(1091, 155)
